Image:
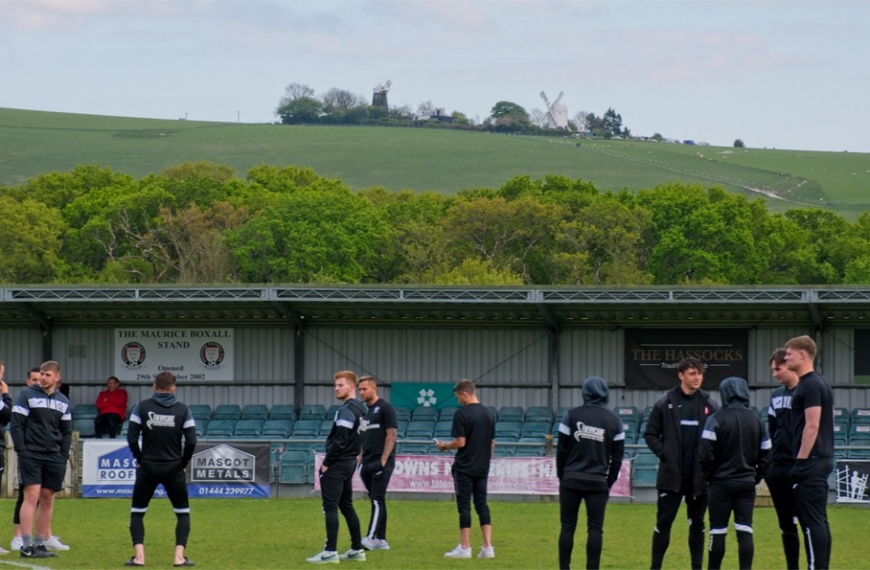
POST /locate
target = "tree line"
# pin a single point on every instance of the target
(301, 106)
(200, 223)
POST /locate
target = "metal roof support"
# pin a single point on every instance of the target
(553, 367)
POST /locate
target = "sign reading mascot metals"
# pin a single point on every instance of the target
(193, 355)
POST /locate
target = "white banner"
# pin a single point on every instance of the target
(507, 475)
(193, 355)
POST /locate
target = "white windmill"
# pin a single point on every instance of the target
(556, 116)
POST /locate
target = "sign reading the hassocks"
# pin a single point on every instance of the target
(652, 355)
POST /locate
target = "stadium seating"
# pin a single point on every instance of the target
(312, 412)
(860, 416)
(403, 413)
(511, 414)
(539, 414)
(401, 428)
(85, 412)
(841, 434)
(508, 429)
(277, 429)
(199, 411)
(326, 427)
(447, 413)
(221, 429)
(248, 429)
(85, 426)
(255, 412)
(536, 450)
(282, 412)
(535, 429)
(306, 428)
(333, 409)
(627, 413)
(420, 429)
(560, 413)
(425, 413)
(859, 434)
(443, 429)
(293, 467)
(503, 449)
(415, 448)
(227, 412)
(841, 415)
(201, 427)
(644, 469)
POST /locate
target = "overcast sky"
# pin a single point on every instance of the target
(789, 74)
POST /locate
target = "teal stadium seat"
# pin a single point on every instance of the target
(425, 413)
(312, 412)
(511, 414)
(644, 468)
(227, 412)
(420, 429)
(85, 427)
(200, 411)
(255, 412)
(248, 429)
(85, 411)
(282, 412)
(277, 429)
(306, 428)
(447, 413)
(220, 429)
(508, 429)
(539, 414)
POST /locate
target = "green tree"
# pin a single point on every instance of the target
(738, 143)
(508, 114)
(30, 239)
(299, 111)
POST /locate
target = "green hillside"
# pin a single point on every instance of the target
(36, 142)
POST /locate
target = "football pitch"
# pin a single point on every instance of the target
(282, 533)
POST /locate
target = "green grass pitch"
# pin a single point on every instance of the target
(281, 533)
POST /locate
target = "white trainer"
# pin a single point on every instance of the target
(368, 543)
(486, 552)
(325, 557)
(17, 543)
(3, 550)
(458, 552)
(54, 543)
(381, 544)
(353, 555)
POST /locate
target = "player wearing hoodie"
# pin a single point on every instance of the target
(734, 456)
(168, 441)
(588, 459)
(336, 473)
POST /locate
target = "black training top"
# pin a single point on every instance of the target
(167, 427)
(780, 423)
(41, 423)
(475, 423)
(812, 391)
(380, 417)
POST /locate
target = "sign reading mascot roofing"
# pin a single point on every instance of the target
(652, 355)
(193, 355)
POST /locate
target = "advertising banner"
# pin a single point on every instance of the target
(193, 355)
(218, 469)
(852, 477)
(652, 355)
(427, 394)
(507, 476)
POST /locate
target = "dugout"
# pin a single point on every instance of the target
(522, 346)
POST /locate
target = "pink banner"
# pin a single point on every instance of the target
(507, 476)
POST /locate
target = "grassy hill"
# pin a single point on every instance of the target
(36, 142)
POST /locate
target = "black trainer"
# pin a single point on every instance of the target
(26, 551)
(41, 551)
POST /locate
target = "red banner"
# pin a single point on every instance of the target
(507, 476)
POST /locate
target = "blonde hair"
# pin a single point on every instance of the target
(804, 343)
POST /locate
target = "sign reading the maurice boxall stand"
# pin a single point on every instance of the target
(193, 355)
(652, 355)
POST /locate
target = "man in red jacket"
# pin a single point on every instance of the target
(111, 409)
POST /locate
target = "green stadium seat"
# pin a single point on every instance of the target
(227, 412)
(644, 469)
(420, 429)
(425, 413)
(443, 429)
(282, 412)
(200, 411)
(402, 413)
(85, 412)
(535, 429)
(312, 412)
(220, 429)
(511, 414)
(277, 429)
(508, 429)
(255, 412)
(539, 414)
(85, 427)
(248, 429)
(447, 413)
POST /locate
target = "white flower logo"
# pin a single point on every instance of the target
(427, 398)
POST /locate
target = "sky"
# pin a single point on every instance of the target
(789, 75)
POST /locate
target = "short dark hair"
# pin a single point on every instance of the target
(464, 386)
(778, 357)
(368, 378)
(164, 380)
(34, 369)
(690, 362)
(115, 378)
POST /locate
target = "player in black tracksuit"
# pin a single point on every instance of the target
(379, 458)
(780, 418)
(673, 433)
(813, 435)
(168, 435)
(734, 455)
(5, 417)
(336, 473)
(588, 459)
